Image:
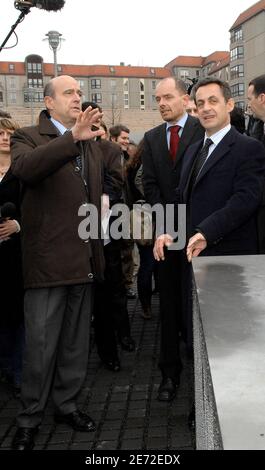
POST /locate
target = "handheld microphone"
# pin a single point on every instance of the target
(48, 5)
(8, 209)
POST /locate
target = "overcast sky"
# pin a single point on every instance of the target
(137, 32)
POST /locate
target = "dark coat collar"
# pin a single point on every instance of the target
(46, 127)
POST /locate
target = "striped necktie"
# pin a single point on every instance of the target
(200, 160)
(78, 159)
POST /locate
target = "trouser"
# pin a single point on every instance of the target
(144, 276)
(111, 313)
(127, 262)
(57, 328)
(175, 289)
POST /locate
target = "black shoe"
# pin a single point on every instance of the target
(130, 294)
(146, 313)
(191, 419)
(127, 343)
(112, 364)
(167, 389)
(77, 420)
(24, 439)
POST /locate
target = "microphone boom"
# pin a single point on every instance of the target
(49, 5)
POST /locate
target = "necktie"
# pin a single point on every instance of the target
(174, 141)
(201, 159)
(79, 162)
(78, 159)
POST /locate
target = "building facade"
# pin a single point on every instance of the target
(192, 68)
(125, 93)
(247, 50)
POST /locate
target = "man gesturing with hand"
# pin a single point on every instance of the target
(60, 169)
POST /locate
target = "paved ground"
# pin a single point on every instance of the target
(123, 404)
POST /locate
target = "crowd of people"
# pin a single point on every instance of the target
(205, 154)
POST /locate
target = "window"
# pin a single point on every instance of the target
(141, 84)
(152, 71)
(33, 96)
(1, 97)
(96, 97)
(11, 67)
(237, 71)
(12, 82)
(184, 74)
(34, 67)
(13, 97)
(112, 69)
(240, 104)
(35, 82)
(126, 100)
(95, 83)
(236, 35)
(175, 70)
(238, 89)
(59, 68)
(237, 53)
(38, 96)
(113, 84)
(81, 83)
(197, 73)
(125, 84)
(153, 84)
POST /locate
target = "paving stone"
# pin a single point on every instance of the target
(109, 435)
(133, 433)
(83, 436)
(135, 422)
(57, 447)
(137, 413)
(161, 431)
(138, 405)
(59, 438)
(107, 445)
(156, 443)
(109, 425)
(81, 446)
(180, 440)
(131, 444)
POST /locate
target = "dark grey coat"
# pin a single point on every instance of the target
(53, 190)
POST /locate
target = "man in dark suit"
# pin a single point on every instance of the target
(60, 170)
(222, 179)
(163, 156)
(256, 101)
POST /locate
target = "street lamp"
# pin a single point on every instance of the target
(31, 96)
(55, 40)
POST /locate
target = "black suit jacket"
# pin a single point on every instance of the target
(225, 198)
(160, 175)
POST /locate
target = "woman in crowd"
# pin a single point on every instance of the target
(11, 318)
(147, 261)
